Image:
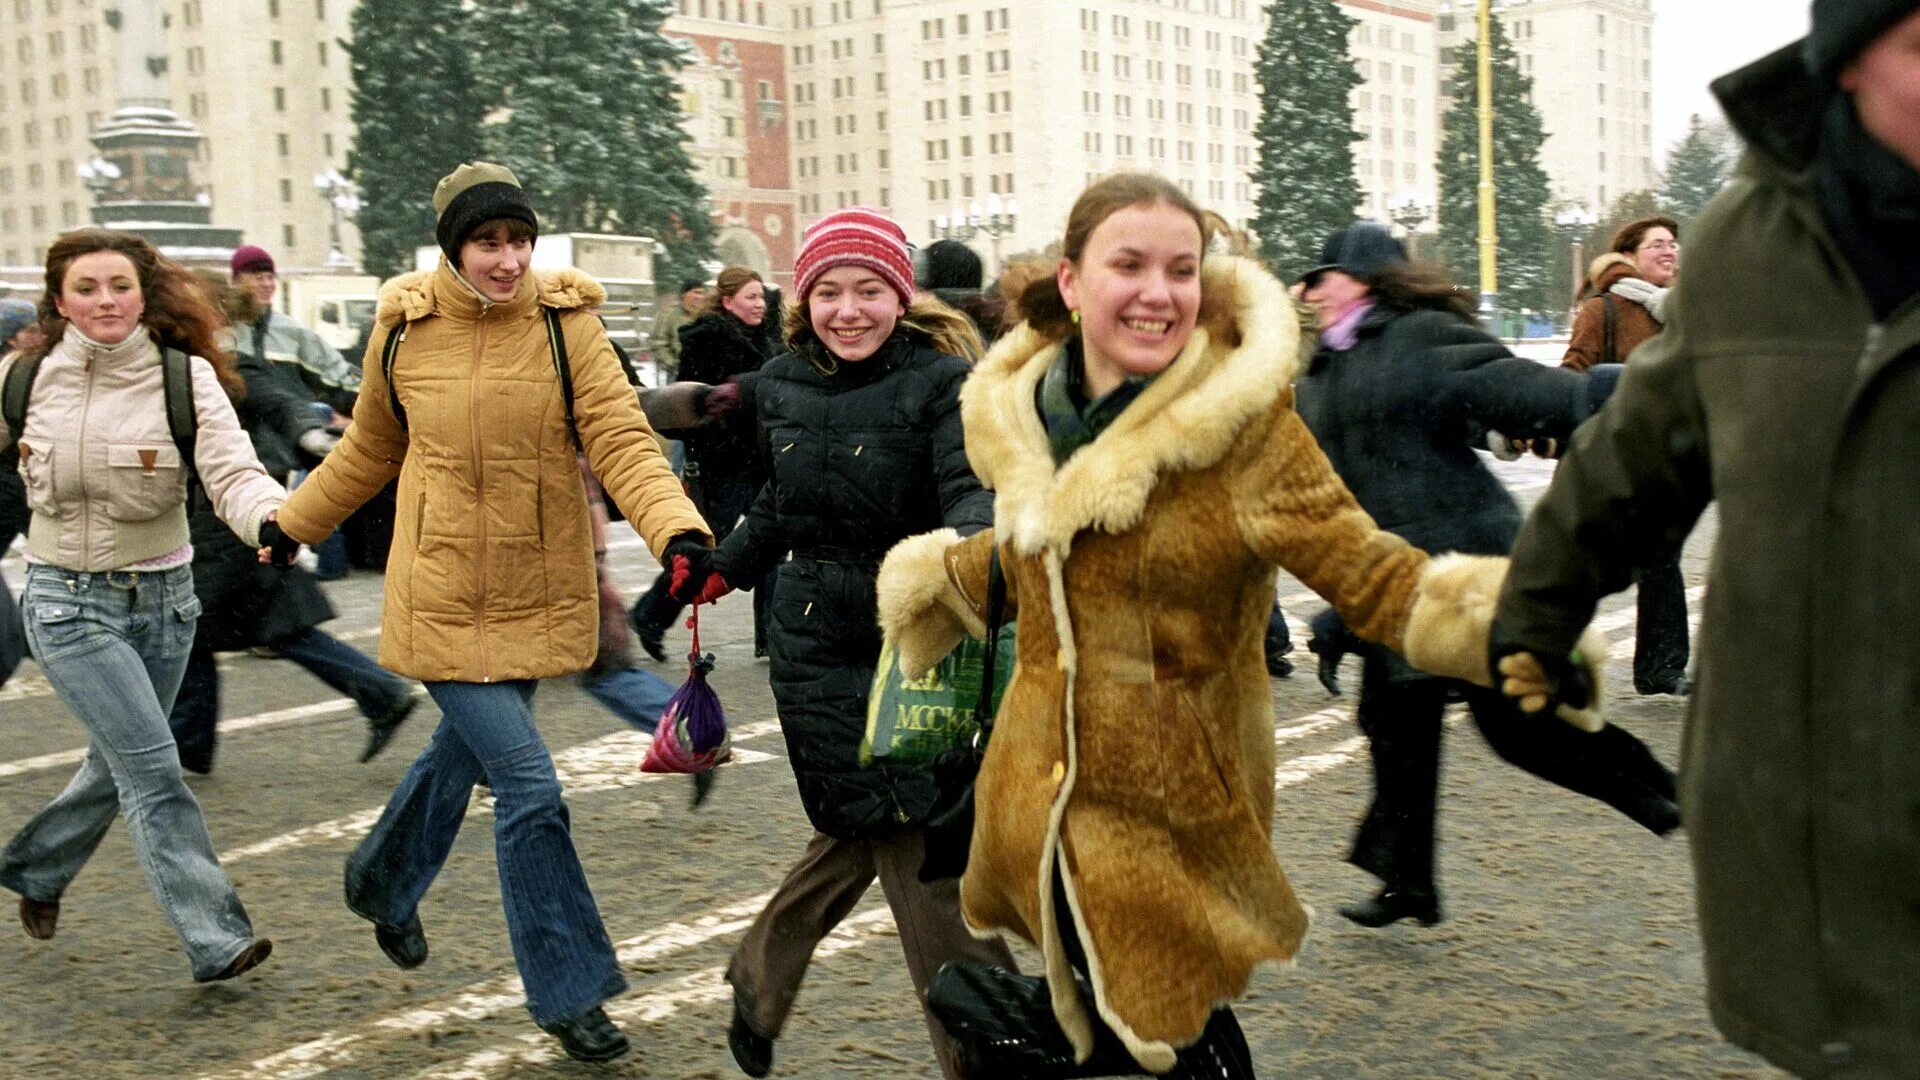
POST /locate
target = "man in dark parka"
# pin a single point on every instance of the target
(1787, 388)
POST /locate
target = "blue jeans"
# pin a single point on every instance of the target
(114, 646)
(559, 943)
(638, 697)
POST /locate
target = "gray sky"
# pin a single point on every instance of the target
(1697, 41)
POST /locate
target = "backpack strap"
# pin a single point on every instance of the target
(14, 394)
(1610, 334)
(392, 346)
(183, 421)
(557, 345)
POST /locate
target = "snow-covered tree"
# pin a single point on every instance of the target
(1305, 173)
(589, 119)
(1521, 191)
(1697, 168)
(416, 113)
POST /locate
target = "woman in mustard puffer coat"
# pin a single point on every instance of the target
(490, 583)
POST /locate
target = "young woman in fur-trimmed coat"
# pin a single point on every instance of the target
(1150, 472)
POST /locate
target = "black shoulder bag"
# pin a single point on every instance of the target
(949, 825)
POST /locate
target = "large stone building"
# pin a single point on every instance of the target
(942, 112)
(268, 87)
(1591, 62)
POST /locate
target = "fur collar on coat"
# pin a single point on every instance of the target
(1243, 354)
(411, 297)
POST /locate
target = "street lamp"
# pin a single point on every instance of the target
(1409, 213)
(98, 175)
(1574, 223)
(968, 221)
(342, 198)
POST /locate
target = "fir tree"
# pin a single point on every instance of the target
(1697, 167)
(1306, 135)
(1521, 191)
(416, 114)
(590, 122)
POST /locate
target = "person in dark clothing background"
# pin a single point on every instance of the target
(19, 331)
(724, 469)
(246, 603)
(1402, 388)
(861, 419)
(953, 273)
(1784, 391)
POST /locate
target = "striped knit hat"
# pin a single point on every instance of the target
(855, 236)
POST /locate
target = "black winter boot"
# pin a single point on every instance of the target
(1221, 1053)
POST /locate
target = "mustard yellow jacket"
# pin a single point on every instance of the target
(491, 572)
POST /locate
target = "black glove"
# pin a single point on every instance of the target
(280, 547)
(691, 552)
(1331, 641)
(1537, 680)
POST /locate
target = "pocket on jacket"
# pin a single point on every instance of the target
(143, 480)
(37, 474)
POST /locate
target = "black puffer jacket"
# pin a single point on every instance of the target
(861, 459)
(713, 349)
(1401, 414)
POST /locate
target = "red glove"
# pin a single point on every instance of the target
(711, 586)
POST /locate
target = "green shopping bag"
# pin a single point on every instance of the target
(910, 721)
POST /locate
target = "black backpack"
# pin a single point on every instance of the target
(176, 382)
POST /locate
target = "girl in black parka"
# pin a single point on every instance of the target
(1403, 388)
(861, 424)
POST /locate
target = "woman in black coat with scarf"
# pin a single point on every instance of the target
(1403, 388)
(727, 340)
(247, 603)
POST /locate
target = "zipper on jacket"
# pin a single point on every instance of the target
(86, 413)
(479, 495)
(1876, 333)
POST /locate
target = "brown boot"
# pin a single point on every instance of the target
(39, 917)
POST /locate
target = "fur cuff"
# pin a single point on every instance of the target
(921, 611)
(1453, 605)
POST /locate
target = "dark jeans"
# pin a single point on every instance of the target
(566, 962)
(722, 502)
(196, 712)
(1661, 641)
(1402, 722)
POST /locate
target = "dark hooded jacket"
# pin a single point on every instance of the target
(1785, 388)
(861, 459)
(714, 349)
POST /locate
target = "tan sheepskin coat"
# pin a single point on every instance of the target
(491, 573)
(1135, 745)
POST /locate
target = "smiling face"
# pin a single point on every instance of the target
(1658, 256)
(261, 283)
(1136, 288)
(853, 310)
(493, 260)
(749, 304)
(1885, 84)
(101, 296)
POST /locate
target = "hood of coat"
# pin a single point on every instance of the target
(1242, 356)
(1608, 269)
(414, 296)
(1776, 105)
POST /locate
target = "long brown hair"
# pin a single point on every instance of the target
(1627, 239)
(178, 311)
(1421, 286)
(726, 287)
(1032, 287)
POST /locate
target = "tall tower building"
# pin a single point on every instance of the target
(1591, 62)
(734, 100)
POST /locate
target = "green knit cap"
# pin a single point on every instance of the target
(474, 194)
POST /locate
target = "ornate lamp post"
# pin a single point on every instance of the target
(968, 222)
(1574, 223)
(99, 176)
(342, 198)
(1409, 213)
